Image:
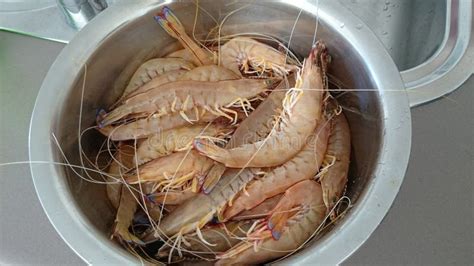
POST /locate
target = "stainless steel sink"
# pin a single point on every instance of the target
(427, 39)
(412, 31)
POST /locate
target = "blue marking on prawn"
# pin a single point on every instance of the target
(276, 235)
(206, 191)
(166, 18)
(150, 198)
(99, 117)
(270, 225)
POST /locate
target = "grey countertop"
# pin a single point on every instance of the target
(430, 222)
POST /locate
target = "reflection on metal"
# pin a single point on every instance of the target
(428, 77)
(39, 20)
(429, 40)
(57, 20)
(78, 12)
(451, 65)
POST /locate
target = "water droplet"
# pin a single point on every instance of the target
(385, 8)
(359, 26)
(342, 25)
(387, 2)
(389, 15)
(384, 33)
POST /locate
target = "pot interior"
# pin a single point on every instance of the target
(118, 56)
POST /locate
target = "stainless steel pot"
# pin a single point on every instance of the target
(124, 35)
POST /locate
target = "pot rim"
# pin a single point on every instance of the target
(366, 215)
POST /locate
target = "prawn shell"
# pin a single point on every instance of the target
(153, 68)
(296, 232)
(334, 181)
(123, 156)
(256, 127)
(303, 166)
(302, 112)
(162, 144)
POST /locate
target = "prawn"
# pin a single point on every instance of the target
(172, 170)
(171, 197)
(166, 77)
(220, 238)
(250, 56)
(302, 112)
(126, 210)
(154, 124)
(171, 24)
(153, 68)
(262, 210)
(304, 165)
(181, 96)
(333, 178)
(123, 162)
(209, 73)
(183, 53)
(202, 73)
(291, 224)
(254, 128)
(196, 212)
(178, 139)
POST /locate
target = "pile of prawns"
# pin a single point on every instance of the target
(232, 154)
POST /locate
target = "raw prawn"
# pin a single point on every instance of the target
(173, 169)
(202, 73)
(334, 177)
(166, 77)
(171, 197)
(302, 112)
(145, 127)
(153, 68)
(294, 220)
(122, 163)
(221, 237)
(178, 139)
(171, 24)
(182, 96)
(198, 211)
(304, 165)
(256, 127)
(262, 210)
(251, 56)
(183, 53)
(128, 206)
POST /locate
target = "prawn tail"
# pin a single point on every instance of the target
(99, 117)
(213, 178)
(280, 214)
(122, 234)
(106, 119)
(277, 221)
(211, 150)
(169, 22)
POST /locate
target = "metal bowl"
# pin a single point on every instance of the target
(113, 44)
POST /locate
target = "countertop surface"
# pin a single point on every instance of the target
(430, 221)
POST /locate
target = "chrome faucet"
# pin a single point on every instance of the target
(78, 12)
